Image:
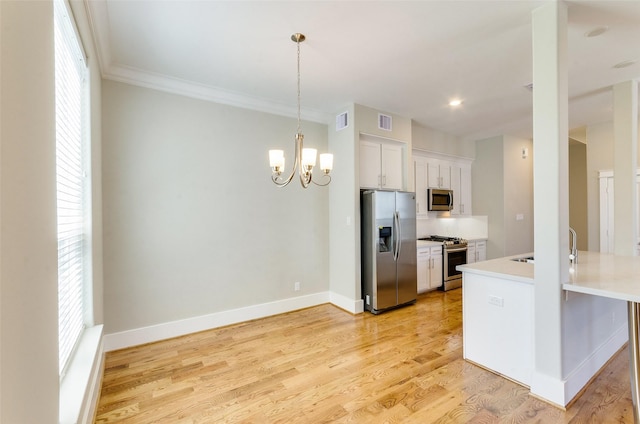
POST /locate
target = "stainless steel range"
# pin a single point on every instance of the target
(454, 253)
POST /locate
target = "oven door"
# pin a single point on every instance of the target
(454, 256)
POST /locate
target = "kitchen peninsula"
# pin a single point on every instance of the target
(498, 316)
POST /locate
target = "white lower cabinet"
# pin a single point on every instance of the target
(497, 319)
(476, 251)
(429, 268)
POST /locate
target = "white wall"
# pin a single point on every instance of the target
(518, 196)
(344, 215)
(487, 188)
(193, 224)
(28, 271)
(426, 138)
(578, 199)
(502, 189)
(599, 158)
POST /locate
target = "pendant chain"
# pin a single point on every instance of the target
(298, 43)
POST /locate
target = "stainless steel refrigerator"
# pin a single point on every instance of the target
(388, 243)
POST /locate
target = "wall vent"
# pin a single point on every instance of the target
(342, 121)
(384, 122)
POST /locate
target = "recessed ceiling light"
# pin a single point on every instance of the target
(455, 102)
(596, 31)
(624, 64)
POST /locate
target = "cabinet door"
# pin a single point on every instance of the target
(471, 252)
(481, 251)
(465, 190)
(420, 173)
(392, 167)
(455, 186)
(370, 160)
(423, 269)
(445, 175)
(433, 173)
(435, 273)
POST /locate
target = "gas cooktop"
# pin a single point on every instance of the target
(445, 239)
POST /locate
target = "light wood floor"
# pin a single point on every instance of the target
(322, 365)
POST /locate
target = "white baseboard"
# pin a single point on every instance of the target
(171, 329)
(349, 305)
(561, 392)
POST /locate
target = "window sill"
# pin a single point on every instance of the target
(80, 387)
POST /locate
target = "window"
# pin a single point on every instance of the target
(71, 138)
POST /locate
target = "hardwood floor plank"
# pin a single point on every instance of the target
(323, 365)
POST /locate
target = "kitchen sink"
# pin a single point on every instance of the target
(526, 259)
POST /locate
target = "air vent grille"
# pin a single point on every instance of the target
(384, 122)
(342, 121)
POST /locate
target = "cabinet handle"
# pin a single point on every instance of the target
(379, 180)
(384, 180)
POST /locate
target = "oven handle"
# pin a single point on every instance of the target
(458, 249)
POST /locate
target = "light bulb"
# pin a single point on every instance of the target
(326, 162)
(309, 157)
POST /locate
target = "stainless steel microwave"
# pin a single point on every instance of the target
(439, 200)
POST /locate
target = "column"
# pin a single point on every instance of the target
(551, 194)
(625, 162)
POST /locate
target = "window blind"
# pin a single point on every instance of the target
(71, 102)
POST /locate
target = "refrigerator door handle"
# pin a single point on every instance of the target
(398, 238)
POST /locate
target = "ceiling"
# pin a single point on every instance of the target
(404, 57)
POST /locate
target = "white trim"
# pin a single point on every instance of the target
(134, 76)
(171, 329)
(561, 392)
(349, 305)
(423, 153)
(80, 387)
(584, 372)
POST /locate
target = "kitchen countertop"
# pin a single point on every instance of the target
(428, 243)
(599, 274)
(616, 277)
(502, 268)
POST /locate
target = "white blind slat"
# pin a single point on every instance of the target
(71, 71)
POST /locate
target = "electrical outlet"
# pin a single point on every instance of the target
(497, 301)
(296, 286)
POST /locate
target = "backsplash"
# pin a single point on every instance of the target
(468, 227)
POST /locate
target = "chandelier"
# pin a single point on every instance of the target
(305, 159)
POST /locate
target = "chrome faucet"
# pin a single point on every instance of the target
(573, 256)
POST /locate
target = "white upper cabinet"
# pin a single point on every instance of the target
(461, 186)
(439, 174)
(432, 170)
(420, 173)
(381, 165)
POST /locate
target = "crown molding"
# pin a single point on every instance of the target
(186, 88)
(98, 14)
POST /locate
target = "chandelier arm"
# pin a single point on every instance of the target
(279, 181)
(324, 184)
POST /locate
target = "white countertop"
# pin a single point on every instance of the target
(616, 277)
(428, 243)
(502, 268)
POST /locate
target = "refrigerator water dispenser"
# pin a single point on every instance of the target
(384, 239)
